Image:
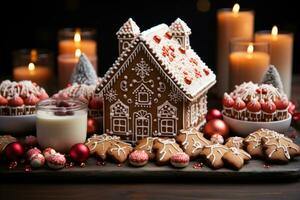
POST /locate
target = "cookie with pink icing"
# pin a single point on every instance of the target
(138, 158)
(56, 161)
(180, 160)
(31, 152)
(48, 152)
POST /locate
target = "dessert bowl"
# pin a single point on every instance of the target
(244, 128)
(17, 125)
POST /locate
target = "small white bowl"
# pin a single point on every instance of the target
(17, 125)
(244, 128)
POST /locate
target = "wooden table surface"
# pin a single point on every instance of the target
(177, 189)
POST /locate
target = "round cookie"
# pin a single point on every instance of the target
(180, 160)
(138, 158)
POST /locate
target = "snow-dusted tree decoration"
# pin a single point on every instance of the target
(84, 72)
(272, 77)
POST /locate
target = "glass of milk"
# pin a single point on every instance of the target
(61, 123)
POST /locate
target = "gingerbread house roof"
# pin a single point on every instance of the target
(180, 27)
(184, 68)
(129, 28)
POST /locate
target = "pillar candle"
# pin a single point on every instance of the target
(231, 24)
(247, 66)
(39, 74)
(281, 52)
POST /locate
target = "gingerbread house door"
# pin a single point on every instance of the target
(142, 124)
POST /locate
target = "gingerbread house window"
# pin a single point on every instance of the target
(143, 96)
(167, 119)
(119, 117)
(125, 45)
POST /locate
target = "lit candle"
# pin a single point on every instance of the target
(247, 66)
(34, 65)
(281, 52)
(231, 24)
(66, 65)
(39, 74)
(87, 46)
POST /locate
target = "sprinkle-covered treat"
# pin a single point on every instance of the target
(56, 161)
(180, 160)
(138, 158)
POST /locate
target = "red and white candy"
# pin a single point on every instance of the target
(56, 161)
(48, 152)
(138, 158)
(180, 160)
(37, 160)
(31, 152)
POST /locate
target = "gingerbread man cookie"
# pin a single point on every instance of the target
(236, 157)
(236, 142)
(213, 154)
(279, 148)
(253, 143)
(165, 149)
(5, 140)
(119, 151)
(192, 141)
(99, 144)
(146, 144)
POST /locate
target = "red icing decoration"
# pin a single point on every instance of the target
(171, 48)
(157, 39)
(168, 35)
(197, 73)
(254, 106)
(193, 60)
(182, 50)
(3, 101)
(31, 100)
(16, 101)
(239, 104)
(268, 107)
(206, 71)
(188, 80)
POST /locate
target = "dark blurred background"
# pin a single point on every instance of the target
(34, 24)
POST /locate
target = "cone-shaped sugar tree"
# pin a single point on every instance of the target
(84, 72)
(272, 77)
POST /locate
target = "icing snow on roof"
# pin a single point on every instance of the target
(179, 26)
(185, 67)
(129, 27)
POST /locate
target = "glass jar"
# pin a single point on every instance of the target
(61, 123)
(248, 61)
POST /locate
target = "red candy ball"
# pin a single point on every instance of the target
(79, 152)
(213, 114)
(14, 151)
(216, 126)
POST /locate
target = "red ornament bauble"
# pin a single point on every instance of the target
(14, 151)
(213, 114)
(91, 126)
(291, 108)
(216, 126)
(79, 152)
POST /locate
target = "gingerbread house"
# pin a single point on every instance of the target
(157, 86)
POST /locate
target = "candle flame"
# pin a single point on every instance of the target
(77, 37)
(33, 55)
(31, 67)
(77, 53)
(274, 31)
(250, 48)
(236, 8)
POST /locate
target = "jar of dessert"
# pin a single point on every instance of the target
(61, 123)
